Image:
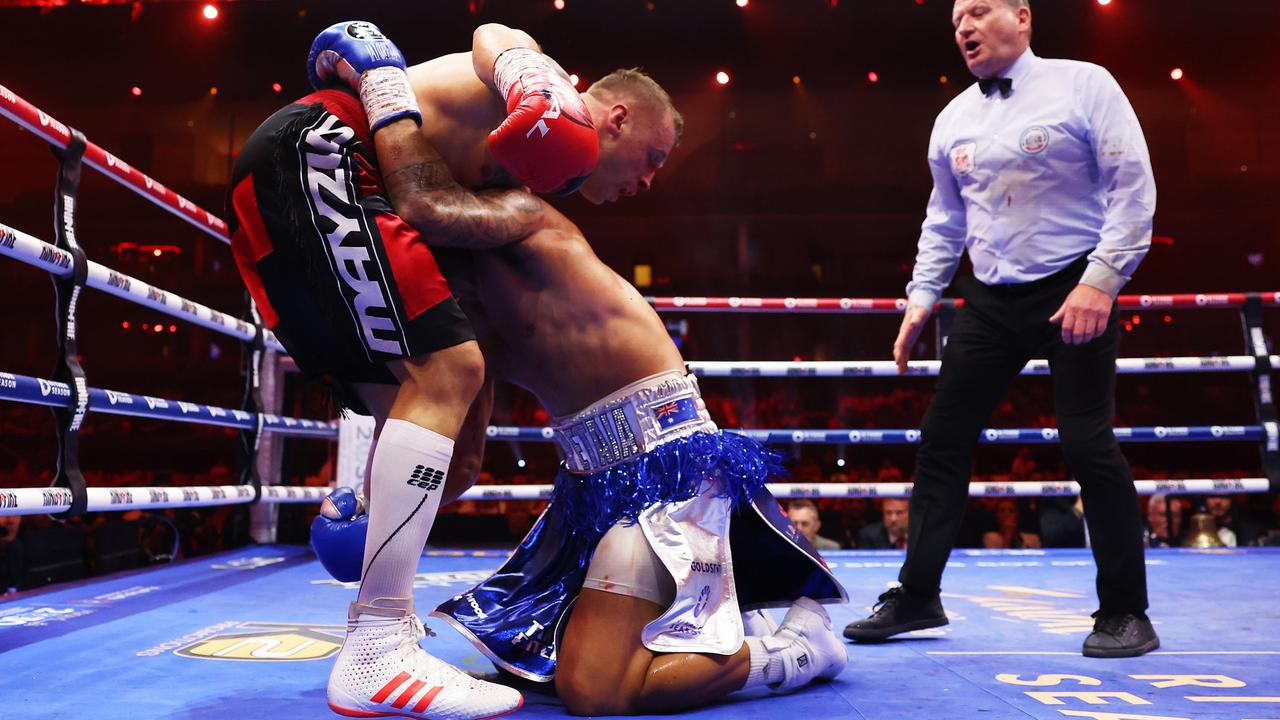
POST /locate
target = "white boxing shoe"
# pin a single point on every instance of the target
(815, 650)
(381, 672)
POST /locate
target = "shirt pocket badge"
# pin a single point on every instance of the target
(962, 158)
(1034, 140)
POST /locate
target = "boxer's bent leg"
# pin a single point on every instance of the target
(410, 460)
(468, 457)
(1084, 381)
(603, 668)
(982, 356)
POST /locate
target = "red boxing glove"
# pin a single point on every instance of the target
(548, 141)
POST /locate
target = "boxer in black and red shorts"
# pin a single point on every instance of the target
(345, 283)
(334, 202)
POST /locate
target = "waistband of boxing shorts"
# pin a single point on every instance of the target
(631, 422)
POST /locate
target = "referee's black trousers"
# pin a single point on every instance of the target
(995, 333)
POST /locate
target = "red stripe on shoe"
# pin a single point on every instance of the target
(427, 698)
(403, 700)
(390, 687)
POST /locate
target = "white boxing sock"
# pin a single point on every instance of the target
(406, 482)
(766, 666)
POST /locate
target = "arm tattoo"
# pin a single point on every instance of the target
(456, 216)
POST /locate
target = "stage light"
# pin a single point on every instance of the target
(873, 76)
(137, 91)
(1104, 2)
(521, 463)
(209, 11)
(742, 3)
(573, 80)
(558, 4)
(1176, 73)
(943, 80)
(158, 328)
(124, 325)
(276, 87)
(213, 91)
(173, 328)
(795, 79)
(157, 252)
(722, 77)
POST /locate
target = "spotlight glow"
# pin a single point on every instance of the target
(276, 87)
(1104, 3)
(137, 91)
(558, 4)
(742, 3)
(573, 80)
(209, 11)
(722, 77)
(1176, 73)
(873, 77)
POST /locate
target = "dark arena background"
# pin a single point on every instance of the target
(775, 243)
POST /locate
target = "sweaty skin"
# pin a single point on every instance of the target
(552, 318)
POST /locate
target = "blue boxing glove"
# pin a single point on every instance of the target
(338, 534)
(358, 55)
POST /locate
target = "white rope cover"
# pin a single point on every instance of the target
(34, 501)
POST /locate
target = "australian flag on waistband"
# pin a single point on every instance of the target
(671, 413)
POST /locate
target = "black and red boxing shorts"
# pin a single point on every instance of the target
(345, 283)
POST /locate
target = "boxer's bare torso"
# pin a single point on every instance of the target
(549, 314)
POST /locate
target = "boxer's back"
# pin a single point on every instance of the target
(550, 315)
(554, 319)
(458, 112)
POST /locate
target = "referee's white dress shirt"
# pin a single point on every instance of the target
(1029, 182)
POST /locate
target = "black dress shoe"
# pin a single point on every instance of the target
(897, 611)
(1118, 636)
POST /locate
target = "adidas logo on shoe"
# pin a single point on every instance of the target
(426, 478)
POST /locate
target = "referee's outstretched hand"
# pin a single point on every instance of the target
(1084, 314)
(912, 325)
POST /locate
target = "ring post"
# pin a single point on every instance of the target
(1264, 395)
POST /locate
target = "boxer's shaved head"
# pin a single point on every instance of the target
(637, 86)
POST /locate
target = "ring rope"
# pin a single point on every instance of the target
(32, 501)
(888, 306)
(35, 252)
(51, 393)
(995, 436)
(58, 134)
(903, 489)
(887, 368)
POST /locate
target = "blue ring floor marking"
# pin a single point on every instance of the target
(1017, 617)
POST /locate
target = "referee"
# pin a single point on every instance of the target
(1041, 172)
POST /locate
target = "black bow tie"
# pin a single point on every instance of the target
(989, 84)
